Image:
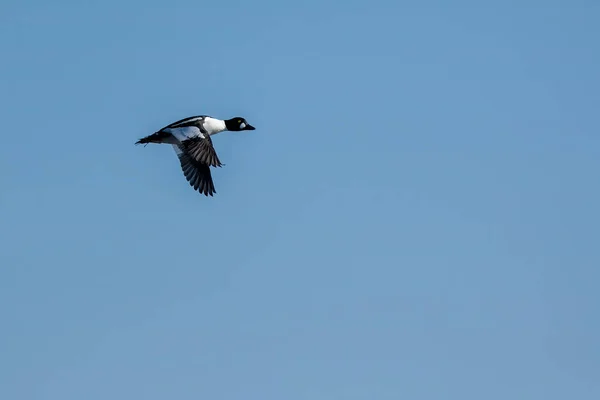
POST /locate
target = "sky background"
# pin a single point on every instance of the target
(415, 217)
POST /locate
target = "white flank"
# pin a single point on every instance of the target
(184, 133)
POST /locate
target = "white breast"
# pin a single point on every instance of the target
(213, 125)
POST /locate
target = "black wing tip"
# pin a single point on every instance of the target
(207, 193)
(205, 188)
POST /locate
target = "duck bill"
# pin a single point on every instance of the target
(249, 127)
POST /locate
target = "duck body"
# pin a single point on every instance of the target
(191, 139)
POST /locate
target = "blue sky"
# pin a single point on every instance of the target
(416, 215)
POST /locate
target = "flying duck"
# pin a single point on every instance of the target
(190, 137)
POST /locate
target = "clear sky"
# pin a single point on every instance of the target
(415, 217)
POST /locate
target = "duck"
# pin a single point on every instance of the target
(191, 139)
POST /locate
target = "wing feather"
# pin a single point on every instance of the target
(201, 150)
(197, 174)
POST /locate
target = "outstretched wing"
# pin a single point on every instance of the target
(197, 174)
(196, 156)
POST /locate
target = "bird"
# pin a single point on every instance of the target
(191, 139)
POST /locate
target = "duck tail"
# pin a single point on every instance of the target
(158, 137)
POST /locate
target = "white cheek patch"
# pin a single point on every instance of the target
(242, 125)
